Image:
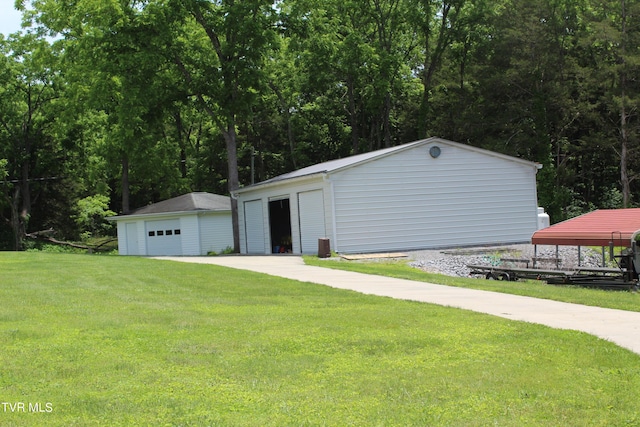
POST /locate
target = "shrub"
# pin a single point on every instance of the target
(91, 214)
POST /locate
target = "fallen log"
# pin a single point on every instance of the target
(46, 236)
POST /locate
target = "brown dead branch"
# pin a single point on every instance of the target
(46, 235)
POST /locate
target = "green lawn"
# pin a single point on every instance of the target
(120, 341)
(623, 300)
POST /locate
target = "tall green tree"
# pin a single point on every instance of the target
(527, 87)
(613, 64)
(29, 89)
(435, 23)
(113, 58)
(223, 66)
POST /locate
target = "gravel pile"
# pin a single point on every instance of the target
(453, 262)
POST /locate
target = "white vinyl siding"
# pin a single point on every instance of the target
(312, 221)
(131, 240)
(254, 220)
(216, 233)
(411, 200)
(402, 198)
(190, 235)
(199, 233)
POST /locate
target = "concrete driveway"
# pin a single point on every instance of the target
(618, 326)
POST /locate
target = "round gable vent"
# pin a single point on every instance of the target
(435, 151)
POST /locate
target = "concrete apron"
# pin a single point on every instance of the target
(618, 326)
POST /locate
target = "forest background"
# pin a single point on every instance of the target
(109, 105)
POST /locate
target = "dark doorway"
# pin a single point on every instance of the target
(280, 226)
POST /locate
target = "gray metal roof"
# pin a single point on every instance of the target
(198, 201)
(333, 165)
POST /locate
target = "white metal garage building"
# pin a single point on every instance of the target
(431, 193)
(191, 224)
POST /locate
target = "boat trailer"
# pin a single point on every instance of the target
(622, 277)
(605, 278)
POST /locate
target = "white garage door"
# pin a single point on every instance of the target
(311, 208)
(254, 226)
(164, 237)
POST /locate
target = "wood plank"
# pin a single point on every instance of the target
(355, 257)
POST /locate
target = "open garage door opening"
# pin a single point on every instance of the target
(280, 226)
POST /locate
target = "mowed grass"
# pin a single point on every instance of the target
(119, 341)
(622, 300)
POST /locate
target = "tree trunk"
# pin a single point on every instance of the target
(624, 174)
(624, 142)
(287, 115)
(386, 120)
(23, 199)
(182, 142)
(18, 236)
(125, 185)
(432, 60)
(233, 183)
(353, 117)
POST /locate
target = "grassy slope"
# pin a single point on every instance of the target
(128, 341)
(623, 300)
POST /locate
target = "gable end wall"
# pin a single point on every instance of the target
(411, 200)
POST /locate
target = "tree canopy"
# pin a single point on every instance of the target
(106, 106)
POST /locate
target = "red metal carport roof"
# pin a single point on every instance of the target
(596, 228)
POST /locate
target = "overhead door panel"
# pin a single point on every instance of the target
(164, 237)
(254, 226)
(312, 222)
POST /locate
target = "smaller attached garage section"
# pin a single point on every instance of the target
(431, 193)
(191, 224)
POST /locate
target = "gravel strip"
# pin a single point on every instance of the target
(453, 262)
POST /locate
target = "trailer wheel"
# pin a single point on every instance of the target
(504, 276)
(490, 276)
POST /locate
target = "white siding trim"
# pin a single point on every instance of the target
(216, 233)
(335, 243)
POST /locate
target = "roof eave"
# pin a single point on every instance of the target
(267, 184)
(166, 214)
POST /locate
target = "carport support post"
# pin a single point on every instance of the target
(535, 255)
(557, 257)
(579, 255)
